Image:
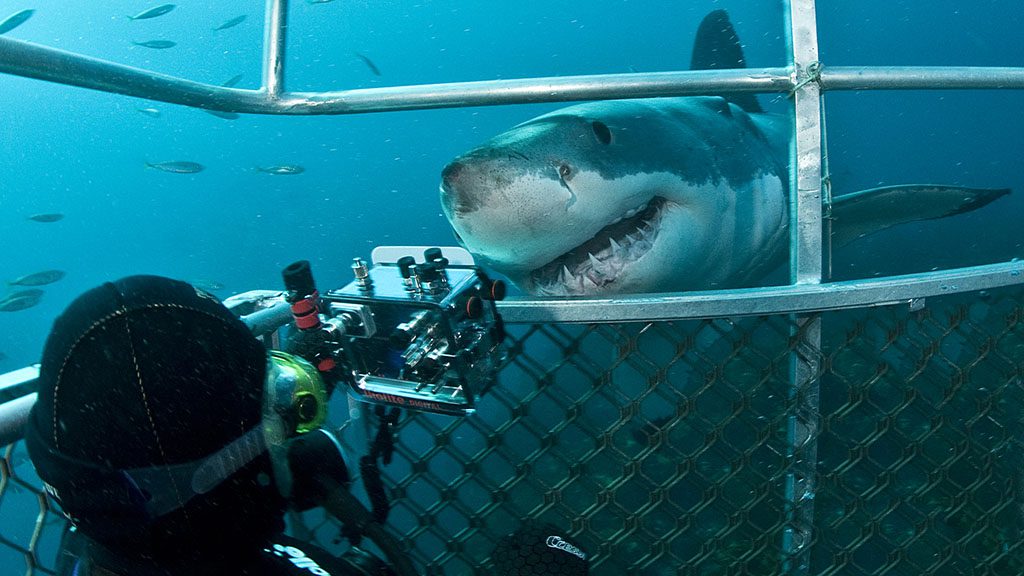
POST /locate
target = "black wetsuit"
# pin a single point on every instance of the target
(284, 556)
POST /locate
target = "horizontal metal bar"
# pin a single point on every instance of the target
(761, 301)
(45, 63)
(13, 416)
(921, 78)
(53, 65)
(19, 382)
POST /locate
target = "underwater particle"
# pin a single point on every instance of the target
(206, 284)
(282, 170)
(178, 167)
(231, 23)
(15, 20)
(156, 44)
(369, 64)
(20, 300)
(151, 112)
(153, 12)
(46, 217)
(38, 278)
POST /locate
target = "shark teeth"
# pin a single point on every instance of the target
(600, 260)
(630, 213)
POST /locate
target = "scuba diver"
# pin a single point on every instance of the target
(160, 430)
(174, 442)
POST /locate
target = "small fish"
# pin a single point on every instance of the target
(320, 1)
(3, 356)
(39, 278)
(49, 217)
(178, 167)
(151, 112)
(227, 115)
(20, 300)
(207, 285)
(15, 20)
(231, 23)
(369, 64)
(153, 12)
(283, 170)
(156, 44)
(233, 81)
(224, 115)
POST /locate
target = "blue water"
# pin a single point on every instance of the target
(372, 179)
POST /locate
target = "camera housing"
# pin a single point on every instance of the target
(417, 328)
(420, 333)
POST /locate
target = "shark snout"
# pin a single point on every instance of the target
(450, 174)
(467, 182)
(453, 191)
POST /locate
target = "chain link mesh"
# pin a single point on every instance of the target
(662, 447)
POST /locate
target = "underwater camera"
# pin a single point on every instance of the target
(422, 334)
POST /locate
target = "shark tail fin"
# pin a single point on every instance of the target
(865, 212)
(717, 47)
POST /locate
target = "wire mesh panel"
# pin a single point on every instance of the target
(920, 454)
(29, 527)
(661, 447)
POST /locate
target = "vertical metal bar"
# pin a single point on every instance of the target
(805, 268)
(275, 28)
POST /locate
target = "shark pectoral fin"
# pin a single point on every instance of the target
(868, 211)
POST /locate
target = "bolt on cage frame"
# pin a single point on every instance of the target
(805, 79)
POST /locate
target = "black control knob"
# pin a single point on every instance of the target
(435, 256)
(431, 254)
(298, 280)
(427, 272)
(495, 291)
(474, 307)
(405, 264)
(491, 289)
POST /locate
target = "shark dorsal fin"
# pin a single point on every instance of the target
(717, 47)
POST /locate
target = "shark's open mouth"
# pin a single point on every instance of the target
(599, 261)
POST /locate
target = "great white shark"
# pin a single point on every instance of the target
(655, 195)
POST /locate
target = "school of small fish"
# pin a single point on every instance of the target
(23, 290)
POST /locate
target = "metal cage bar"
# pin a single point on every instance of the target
(275, 38)
(30, 60)
(805, 263)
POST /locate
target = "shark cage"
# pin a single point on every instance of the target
(854, 427)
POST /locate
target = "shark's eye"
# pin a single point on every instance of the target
(564, 171)
(604, 135)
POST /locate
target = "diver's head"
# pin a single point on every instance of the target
(141, 380)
